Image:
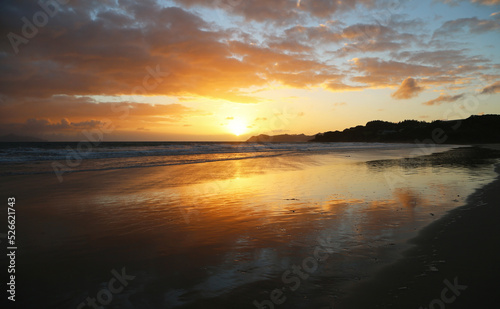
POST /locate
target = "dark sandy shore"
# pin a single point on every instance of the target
(454, 264)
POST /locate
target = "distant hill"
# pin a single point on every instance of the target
(284, 138)
(473, 130)
(19, 138)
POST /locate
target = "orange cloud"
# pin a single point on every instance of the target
(486, 2)
(173, 54)
(68, 115)
(408, 89)
(444, 99)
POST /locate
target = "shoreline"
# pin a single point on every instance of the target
(458, 250)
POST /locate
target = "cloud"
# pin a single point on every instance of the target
(340, 86)
(100, 48)
(481, 2)
(493, 88)
(373, 38)
(376, 72)
(160, 51)
(486, 2)
(445, 58)
(43, 125)
(408, 89)
(67, 115)
(444, 99)
(145, 49)
(473, 25)
(84, 108)
(322, 34)
(119, 48)
(279, 11)
(431, 68)
(291, 46)
(362, 37)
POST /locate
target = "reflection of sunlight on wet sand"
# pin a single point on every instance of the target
(238, 222)
(285, 191)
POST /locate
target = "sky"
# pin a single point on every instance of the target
(224, 70)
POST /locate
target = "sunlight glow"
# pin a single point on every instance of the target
(237, 126)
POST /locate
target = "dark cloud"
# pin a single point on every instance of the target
(81, 109)
(69, 116)
(160, 51)
(493, 88)
(42, 125)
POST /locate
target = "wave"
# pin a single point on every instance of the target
(61, 151)
(39, 158)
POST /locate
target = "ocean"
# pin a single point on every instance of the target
(49, 157)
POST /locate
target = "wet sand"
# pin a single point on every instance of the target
(454, 263)
(222, 234)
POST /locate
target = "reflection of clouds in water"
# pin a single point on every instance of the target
(240, 268)
(237, 269)
(175, 298)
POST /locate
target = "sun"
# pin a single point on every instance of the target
(237, 126)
